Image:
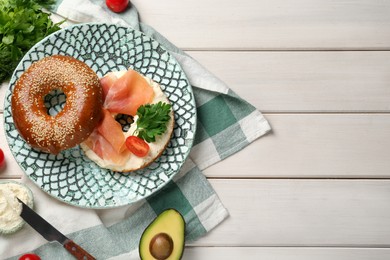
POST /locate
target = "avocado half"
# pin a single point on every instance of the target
(163, 239)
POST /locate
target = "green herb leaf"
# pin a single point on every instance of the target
(8, 39)
(152, 120)
(23, 23)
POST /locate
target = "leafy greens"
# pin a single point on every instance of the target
(152, 120)
(23, 23)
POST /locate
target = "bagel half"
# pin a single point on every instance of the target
(156, 148)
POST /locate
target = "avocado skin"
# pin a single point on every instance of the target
(171, 222)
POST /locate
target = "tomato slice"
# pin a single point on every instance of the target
(117, 6)
(137, 146)
(30, 257)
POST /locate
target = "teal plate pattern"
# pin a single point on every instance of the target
(70, 176)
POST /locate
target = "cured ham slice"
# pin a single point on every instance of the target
(108, 140)
(103, 148)
(127, 93)
(107, 82)
(111, 130)
(93, 142)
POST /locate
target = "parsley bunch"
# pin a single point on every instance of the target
(22, 25)
(152, 120)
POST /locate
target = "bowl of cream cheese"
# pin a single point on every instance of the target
(10, 208)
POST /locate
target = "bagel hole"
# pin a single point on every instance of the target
(54, 102)
(125, 121)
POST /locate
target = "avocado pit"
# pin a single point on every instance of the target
(161, 246)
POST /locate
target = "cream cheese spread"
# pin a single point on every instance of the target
(10, 207)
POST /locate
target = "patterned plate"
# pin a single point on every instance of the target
(70, 176)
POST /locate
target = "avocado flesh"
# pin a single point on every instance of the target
(169, 222)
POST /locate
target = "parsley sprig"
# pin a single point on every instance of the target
(23, 23)
(152, 120)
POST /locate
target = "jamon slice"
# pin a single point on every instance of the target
(107, 82)
(102, 148)
(111, 130)
(127, 93)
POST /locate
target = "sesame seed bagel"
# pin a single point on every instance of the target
(75, 122)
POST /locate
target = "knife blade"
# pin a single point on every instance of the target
(50, 233)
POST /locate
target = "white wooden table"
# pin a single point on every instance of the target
(318, 186)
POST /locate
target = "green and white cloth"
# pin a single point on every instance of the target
(226, 124)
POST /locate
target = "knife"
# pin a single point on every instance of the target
(50, 233)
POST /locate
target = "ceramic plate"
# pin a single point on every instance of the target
(70, 176)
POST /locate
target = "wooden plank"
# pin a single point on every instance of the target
(302, 81)
(278, 24)
(313, 146)
(339, 213)
(300, 146)
(305, 81)
(285, 253)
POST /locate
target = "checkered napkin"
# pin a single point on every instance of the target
(226, 124)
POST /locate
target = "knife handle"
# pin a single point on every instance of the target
(77, 251)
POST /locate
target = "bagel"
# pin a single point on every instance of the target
(75, 122)
(133, 162)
